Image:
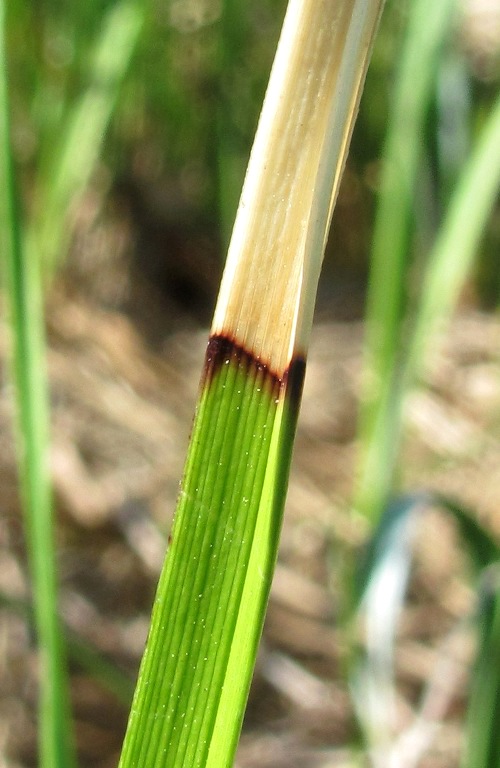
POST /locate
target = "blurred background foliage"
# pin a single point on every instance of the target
(132, 122)
(185, 113)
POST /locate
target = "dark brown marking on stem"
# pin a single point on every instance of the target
(222, 350)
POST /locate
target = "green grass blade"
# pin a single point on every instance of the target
(380, 418)
(69, 166)
(24, 289)
(449, 263)
(382, 586)
(220, 562)
(458, 240)
(388, 540)
(483, 717)
(481, 546)
(213, 590)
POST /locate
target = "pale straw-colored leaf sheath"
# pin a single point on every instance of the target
(213, 590)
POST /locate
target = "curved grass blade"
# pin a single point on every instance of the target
(389, 539)
(482, 548)
(211, 600)
(382, 587)
(381, 592)
(28, 348)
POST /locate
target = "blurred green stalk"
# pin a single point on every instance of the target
(381, 410)
(457, 241)
(29, 374)
(448, 265)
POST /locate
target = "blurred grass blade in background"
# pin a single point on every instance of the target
(32, 403)
(380, 417)
(483, 712)
(70, 161)
(382, 585)
(478, 542)
(457, 241)
(448, 266)
(211, 600)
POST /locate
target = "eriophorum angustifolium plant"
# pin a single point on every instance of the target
(130, 130)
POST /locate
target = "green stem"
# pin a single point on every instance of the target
(380, 418)
(194, 679)
(24, 288)
(457, 242)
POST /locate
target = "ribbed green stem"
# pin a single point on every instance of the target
(210, 605)
(215, 560)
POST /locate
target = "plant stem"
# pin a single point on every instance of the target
(211, 600)
(28, 352)
(381, 411)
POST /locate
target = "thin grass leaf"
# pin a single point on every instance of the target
(389, 549)
(382, 586)
(388, 535)
(28, 347)
(380, 417)
(457, 243)
(479, 543)
(213, 591)
(70, 163)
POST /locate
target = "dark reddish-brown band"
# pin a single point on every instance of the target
(222, 349)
